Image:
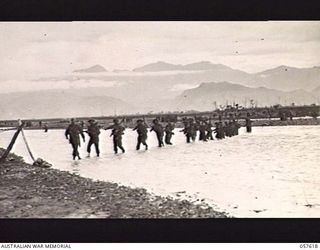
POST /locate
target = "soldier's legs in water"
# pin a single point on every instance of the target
(208, 136)
(188, 138)
(204, 136)
(96, 144)
(138, 143)
(193, 137)
(119, 144)
(115, 145)
(160, 140)
(200, 136)
(170, 136)
(89, 146)
(143, 141)
(75, 152)
(168, 139)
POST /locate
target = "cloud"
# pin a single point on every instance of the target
(33, 49)
(20, 85)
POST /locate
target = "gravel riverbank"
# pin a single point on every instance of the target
(27, 191)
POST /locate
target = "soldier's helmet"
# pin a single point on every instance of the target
(91, 121)
(72, 120)
(155, 121)
(139, 121)
(116, 121)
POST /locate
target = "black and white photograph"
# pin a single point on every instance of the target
(160, 119)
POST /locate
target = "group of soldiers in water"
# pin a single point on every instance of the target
(191, 127)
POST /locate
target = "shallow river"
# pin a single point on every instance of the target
(272, 172)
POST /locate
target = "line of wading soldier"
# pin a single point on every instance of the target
(191, 127)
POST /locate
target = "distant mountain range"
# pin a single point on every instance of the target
(94, 69)
(289, 78)
(130, 99)
(211, 95)
(282, 78)
(60, 103)
(163, 66)
(162, 86)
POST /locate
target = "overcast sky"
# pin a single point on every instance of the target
(29, 50)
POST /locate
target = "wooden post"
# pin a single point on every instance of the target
(13, 140)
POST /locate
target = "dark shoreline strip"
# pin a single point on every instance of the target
(27, 191)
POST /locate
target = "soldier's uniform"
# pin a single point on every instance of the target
(142, 131)
(219, 130)
(202, 130)
(117, 132)
(232, 128)
(169, 132)
(248, 125)
(227, 129)
(187, 132)
(193, 130)
(93, 132)
(157, 127)
(190, 130)
(236, 127)
(209, 131)
(73, 133)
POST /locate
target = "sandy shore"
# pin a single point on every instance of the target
(27, 191)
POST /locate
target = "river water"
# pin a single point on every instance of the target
(272, 172)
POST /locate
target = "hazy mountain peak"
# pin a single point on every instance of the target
(289, 78)
(157, 66)
(204, 65)
(93, 69)
(279, 69)
(164, 66)
(223, 84)
(210, 95)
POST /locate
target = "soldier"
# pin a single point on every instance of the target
(74, 131)
(168, 129)
(45, 128)
(226, 129)
(142, 130)
(219, 131)
(236, 127)
(202, 129)
(248, 123)
(232, 128)
(216, 130)
(117, 132)
(190, 130)
(186, 130)
(193, 129)
(82, 125)
(93, 132)
(209, 131)
(157, 127)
